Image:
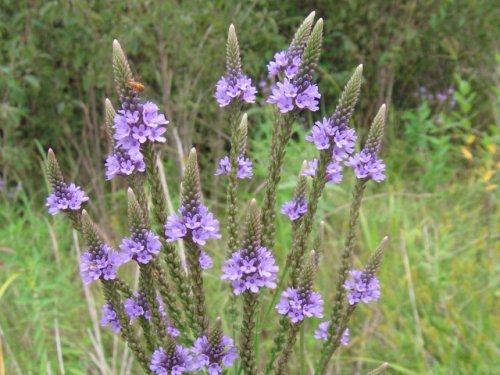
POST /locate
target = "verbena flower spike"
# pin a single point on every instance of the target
(166, 319)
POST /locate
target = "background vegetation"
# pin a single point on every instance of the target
(439, 204)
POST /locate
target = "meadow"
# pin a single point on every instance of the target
(439, 205)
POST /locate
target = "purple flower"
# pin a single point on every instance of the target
(291, 92)
(141, 247)
(284, 64)
(322, 333)
(100, 263)
(199, 225)
(333, 171)
(287, 96)
(244, 167)
(121, 163)
(309, 98)
(137, 126)
(297, 304)
(326, 133)
(321, 133)
(234, 88)
(294, 209)
(176, 363)
(65, 198)
(205, 261)
(361, 288)
(250, 270)
(344, 140)
(137, 306)
(365, 165)
(213, 357)
(109, 318)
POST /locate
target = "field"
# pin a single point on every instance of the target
(439, 205)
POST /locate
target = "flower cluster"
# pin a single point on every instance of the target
(291, 93)
(297, 304)
(333, 171)
(122, 163)
(141, 247)
(366, 165)
(294, 209)
(213, 357)
(232, 88)
(322, 333)
(175, 362)
(136, 124)
(334, 133)
(284, 64)
(362, 288)
(109, 318)
(100, 263)
(199, 225)
(65, 197)
(205, 261)
(250, 270)
(174, 332)
(137, 306)
(244, 167)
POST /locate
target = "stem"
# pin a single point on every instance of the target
(280, 138)
(196, 276)
(146, 285)
(278, 342)
(232, 186)
(247, 350)
(301, 235)
(166, 294)
(285, 354)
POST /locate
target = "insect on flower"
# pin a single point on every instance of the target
(136, 86)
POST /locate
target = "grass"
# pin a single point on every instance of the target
(439, 282)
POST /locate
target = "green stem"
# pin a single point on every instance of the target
(196, 277)
(280, 138)
(146, 285)
(247, 350)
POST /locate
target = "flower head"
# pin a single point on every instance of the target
(333, 171)
(137, 124)
(109, 318)
(250, 270)
(142, 246)
(205, 261)
(365, 165)
(294, 209)
(291, 92)
(174, 362)
(65, 198)
(198, 224)
(361, 288)
(100, 263)
(137, 306)
(229, 89)
(214, 356)
(298, 303)
(121, 163)
(322, 333)
(284, 64)
(244, 167)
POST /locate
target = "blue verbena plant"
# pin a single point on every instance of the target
(166, 321)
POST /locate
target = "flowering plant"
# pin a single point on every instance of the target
(166, 320)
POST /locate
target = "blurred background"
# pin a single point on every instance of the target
(435, 63)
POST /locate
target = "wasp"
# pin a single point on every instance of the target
(136, 86)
